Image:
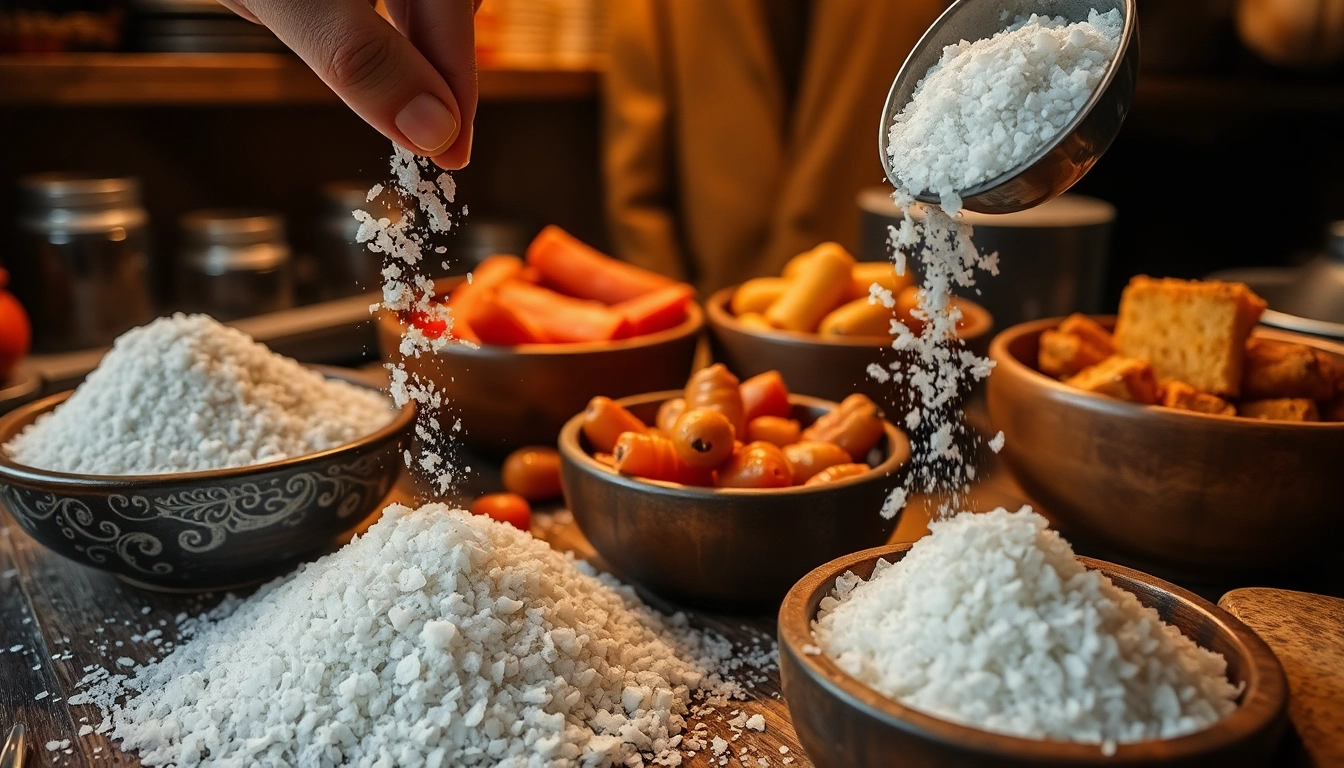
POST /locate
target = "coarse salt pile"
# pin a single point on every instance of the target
(982, 109)
(186, 394)
(992, 622)
(436, 639)
(988, 105)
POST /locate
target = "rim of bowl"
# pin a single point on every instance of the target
(1000, 352)
(572, 450)
(694, 322)
(1257, 707)
(717, 309)
(10, 469)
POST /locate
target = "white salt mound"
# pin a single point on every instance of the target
(992, 622)
(436, 639)
(988, 105)
(185, 394)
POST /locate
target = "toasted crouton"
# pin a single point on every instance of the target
(1078, 343)
(1090, 330)
(1124, 378)
(1281, 409)
(1178, 394)
(1281, 369)
(1193, 332)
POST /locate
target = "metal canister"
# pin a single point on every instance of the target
(82, 269)
(235, 263)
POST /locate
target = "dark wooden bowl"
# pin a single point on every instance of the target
(843, 723)
(210, 530)
(829, 367)
(731, 548)
(508, 397)
(1194, 494)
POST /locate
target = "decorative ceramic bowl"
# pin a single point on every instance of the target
(843, 723)
(829, 367)
(1188, 493)
(724, 547)
(203, 530)
(508, 397)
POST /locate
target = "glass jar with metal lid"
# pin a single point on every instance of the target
(235, 263)
(82, 266)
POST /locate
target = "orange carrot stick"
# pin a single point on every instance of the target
(561, 318)
(656, 310)
(579, 270)
(495, 323)
(492, 271)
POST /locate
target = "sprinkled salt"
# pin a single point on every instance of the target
(983, 108)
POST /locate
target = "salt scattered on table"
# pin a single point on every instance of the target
(186, 394)
(993, 622)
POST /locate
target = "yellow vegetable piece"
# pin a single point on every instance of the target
(756, 321)
(860, 317)
(822, 284)
(758, 294)
(883, 273)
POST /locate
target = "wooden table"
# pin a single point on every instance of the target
(61, 619)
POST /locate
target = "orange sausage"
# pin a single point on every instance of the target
(533, 473)
(765, 394)
(579, 270)
(837, 472)
(715, 388)
(757, 294)
(756, 465)
(654, 458)
(668, 413)
(756, 322)
(809, 457)
(773, 429)
(855, 425)
(883, 273)
(506, 508)
(604, 420)
(702, 438)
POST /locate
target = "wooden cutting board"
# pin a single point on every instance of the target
(1306, 632)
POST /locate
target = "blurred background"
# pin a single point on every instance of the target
(163, 154)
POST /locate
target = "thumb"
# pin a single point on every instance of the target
(374, 70)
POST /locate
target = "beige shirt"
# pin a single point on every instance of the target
(714, 173)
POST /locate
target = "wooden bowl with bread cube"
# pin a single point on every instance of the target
(1178, 435)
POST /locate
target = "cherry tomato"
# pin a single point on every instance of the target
(506, 508)
(533, 473)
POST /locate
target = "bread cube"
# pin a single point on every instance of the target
(1182, 396)
(1124, 378)
(1190, 331)
(1281, 369)
(1281, 409)
(1078, 343)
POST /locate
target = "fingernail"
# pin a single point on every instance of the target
(427, 124)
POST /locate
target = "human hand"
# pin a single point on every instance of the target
(415, 83)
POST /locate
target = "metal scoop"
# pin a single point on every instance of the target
(1063, 160)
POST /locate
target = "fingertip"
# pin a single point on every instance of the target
(456, 157)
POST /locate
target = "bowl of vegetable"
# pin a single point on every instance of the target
(534, 340)
(667, 494)
(824, 323)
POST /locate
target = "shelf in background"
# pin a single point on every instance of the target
(139, 79)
